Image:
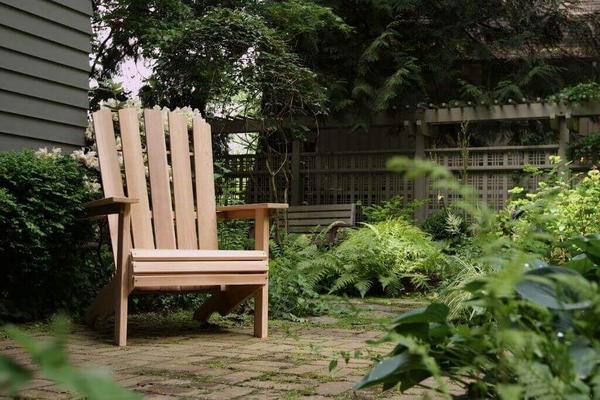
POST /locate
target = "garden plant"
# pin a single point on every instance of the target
(532, 333)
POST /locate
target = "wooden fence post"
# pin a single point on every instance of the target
(420, 183)
(296, 182)
(563, 140)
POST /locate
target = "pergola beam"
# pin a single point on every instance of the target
(510, 112)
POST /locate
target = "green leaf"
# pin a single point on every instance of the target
(435, 312)
(390, 368)
(584, 358)
(538, 288)
(509, 392)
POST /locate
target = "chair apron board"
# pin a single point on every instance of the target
(162, 215)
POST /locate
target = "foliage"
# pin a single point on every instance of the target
(392, 209)
(565, 205)
(587, 91)
(390, 256)
(44, 265)
(213, 54)
(280, 59)
(586, 148)
(445, 224)
(430, 50)
(51, 361)
(536, 337)
(534, 333)
(293, 279)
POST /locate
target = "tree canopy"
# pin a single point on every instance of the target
(281, 59)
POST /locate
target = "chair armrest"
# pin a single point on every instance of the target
(107, 206)
(247, 211)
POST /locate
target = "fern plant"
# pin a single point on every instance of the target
(389, 256)
(293, 282)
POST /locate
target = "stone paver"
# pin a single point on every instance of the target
(172, 359)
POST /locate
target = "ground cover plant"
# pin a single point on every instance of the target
(533, 332)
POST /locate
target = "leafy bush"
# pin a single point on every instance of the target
(587, 91)
(535, 337)
(586, 149)
(390, 256)
(564, 206)
(534, 332)
(445, 225)
(293, 280)
(44, 265)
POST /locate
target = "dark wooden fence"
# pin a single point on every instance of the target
(350, 177)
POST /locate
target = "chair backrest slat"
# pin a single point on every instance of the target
(179, 222)
(160, 187)
(110, 170)
(135, 175)
(182, 182)
(205, 185)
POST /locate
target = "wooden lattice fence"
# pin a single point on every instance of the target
(351, 177)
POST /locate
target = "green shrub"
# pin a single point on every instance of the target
(534, 329)
(586, 149)
(535, 336)
(389, 257)
(587, 91)
(564, 206)
(445, 225)
(44, 267)
(293, 279)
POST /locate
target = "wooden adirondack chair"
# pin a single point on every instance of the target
(158, 249)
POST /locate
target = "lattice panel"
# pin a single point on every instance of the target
(361, 177)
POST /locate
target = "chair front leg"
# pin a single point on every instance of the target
(122, 287)
(261, 296)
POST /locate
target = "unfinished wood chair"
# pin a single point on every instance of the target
(161, 248)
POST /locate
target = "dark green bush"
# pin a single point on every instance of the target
(586, 149)
(445, 225)
(533, 328)
(44, 266)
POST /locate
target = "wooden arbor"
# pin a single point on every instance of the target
(158, 249)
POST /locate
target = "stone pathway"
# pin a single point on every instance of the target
(173, 358)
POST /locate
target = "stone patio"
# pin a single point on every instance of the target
(173, 358)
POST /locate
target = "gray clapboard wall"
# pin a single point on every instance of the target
(44, 73)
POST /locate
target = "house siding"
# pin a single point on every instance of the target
(44, 73)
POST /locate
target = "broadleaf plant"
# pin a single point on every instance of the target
(536, 332)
